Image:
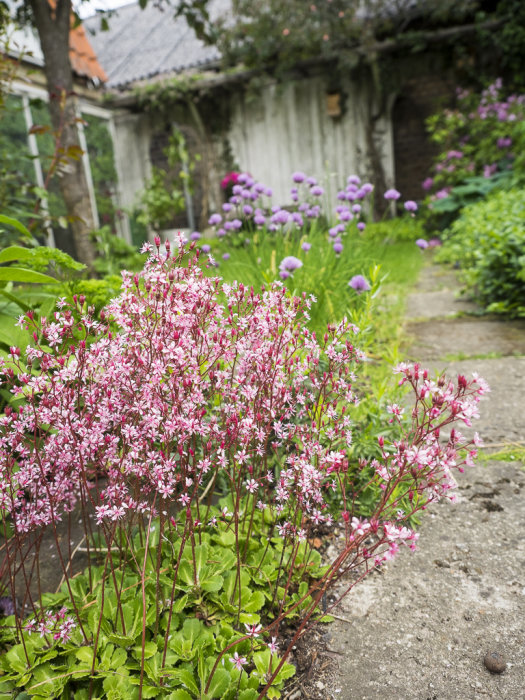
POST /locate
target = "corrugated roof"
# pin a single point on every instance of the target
(143, 43)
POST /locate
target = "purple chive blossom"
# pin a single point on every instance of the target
(361, 226)
(427, 184)
(268, 192)
(341, 196)
(392, 194)
(226, 256)
(259, 188)
(356, 208)
(221, 232)
(246, 194)
(311, 181)
(237, 189)
(317, 191)
(297, 218)
(259, 220)
(236, 224)
(346, 215)
(359, 284)
(215, 219)
(298, 177)
(410, 205)
(338, 247)
(367, 188)
(281, 217)
(504, 142)
(306, 246)
(353, 180)
(227, 207)
(205, 248)
(195, 236)
(422, 243)
(247, 209)
(336, 230)
(290, 264)
(434, 242)
(242, 178)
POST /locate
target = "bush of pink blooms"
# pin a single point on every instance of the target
(187, 386)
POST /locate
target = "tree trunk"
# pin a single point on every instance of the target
(53, 22)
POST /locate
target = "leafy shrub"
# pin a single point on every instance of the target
(186, 387)
(488, 242)
(481, 145)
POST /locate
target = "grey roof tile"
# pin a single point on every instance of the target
(143, 43)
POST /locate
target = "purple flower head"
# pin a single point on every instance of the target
(259, 220)
(346, 215)
(392, 194)
(351, 196)
(353, 180)
(215, 219)
(246, 194)
(410, 205)
(311, 181)
(422, 243)
(293, 190)
(268, 192)
(336, 230)
(298, 177)
(221, 232)
(226, 256)
(228, 225)
(227, 207)
(504, 142)
(206, 248)
(356, 208)
(317, 191)
(243, 177)
(427, 184)
(236, 224)
(442, 194)
(281, 217)
(361, 226)
(303, 207)
(284, 274)
(297, 218)
(306, 246)
(259, 188)
(290, 264)
(235, 199)
(434, 242)
(338, 247)
(341, 196)
(367, 188)
(195, 236)
(359, 284)
(247, 209)
(237, 189)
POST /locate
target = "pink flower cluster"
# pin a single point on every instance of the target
(56, 624)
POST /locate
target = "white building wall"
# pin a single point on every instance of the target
(287, 128)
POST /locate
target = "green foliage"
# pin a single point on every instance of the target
(164, 194)
(488, 242)
(181, 643)
(115, 254)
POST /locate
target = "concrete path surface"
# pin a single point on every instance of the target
(421, 628)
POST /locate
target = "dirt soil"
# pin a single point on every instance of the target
(422, 627)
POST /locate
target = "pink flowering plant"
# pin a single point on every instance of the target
(481, 142)
(197, 430)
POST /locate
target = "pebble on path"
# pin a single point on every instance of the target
(495, 662)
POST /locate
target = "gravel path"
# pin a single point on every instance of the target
(422, 627)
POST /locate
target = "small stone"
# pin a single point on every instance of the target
(495, 662)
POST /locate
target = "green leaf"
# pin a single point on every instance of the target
(23, 276)
(16, 224)
(16, 658)
(15, 252)
(187, 679)
(85, 654)
(219, 683)
(179, 694)
(255, 602)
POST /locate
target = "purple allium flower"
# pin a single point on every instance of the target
(195, 236)
(311, 181)
(237, 189)
(504, 142)
(361, 225)
(293, 190)
(392, 194)
(356, 208)
(338, 247)
(220, 232)
(298, 177)
(336, 230)
(427, 184)
(367, 188)
(284, 274)
(259, 188)
(259, 220)
(215, 219)
(242, 178)
(281, 217)
(290, 264)
(422, 243)
(410, 205)
(353, 180)
(226, 256)
(297, 218)
(317, 191)
(236, 224)
(268, 192)
(306, 246)
(246, 194)
(351, 196)
(228, 225)
(303, 207)
(359, 284)
(442, 194)
(341, 196)
(247, 209)
(227, 207)
(235, 199)
(346, 215)
(205, 248)
(434, 242)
